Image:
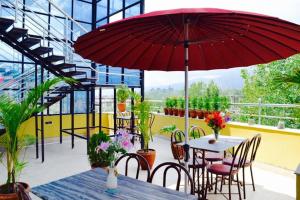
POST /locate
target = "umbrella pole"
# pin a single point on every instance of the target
(186, 95)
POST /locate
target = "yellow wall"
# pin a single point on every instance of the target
(52, 130)
(278, 147)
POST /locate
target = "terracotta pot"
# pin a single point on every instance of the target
(166, 110)
(13, 196)
(181, 112)
(171, 110)
(200, 114)
(149, 156)
(177, 151)
(122, 107)
(193, 113)
(175, 111)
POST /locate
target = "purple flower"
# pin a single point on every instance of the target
(103, 146)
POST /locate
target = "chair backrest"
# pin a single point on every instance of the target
(197, 132)
(138, 159)
(240, 155)
(178, 168)
(254, 144)
(177, 136)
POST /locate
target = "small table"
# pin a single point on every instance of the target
(122, 119)
(223, 143)
(90, 185)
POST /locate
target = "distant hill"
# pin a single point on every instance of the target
(225, 79)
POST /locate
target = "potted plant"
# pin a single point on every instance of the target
(175, 106)
(12, 115)
(193, 112)
(172, 104)
(167, 106)
(123, 94)
(200, 106)
(207, 106)
(142, 111)
(96, 158)
(121, 144)
(216, 104)
(181, 106)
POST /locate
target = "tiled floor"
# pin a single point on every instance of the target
(272, 183)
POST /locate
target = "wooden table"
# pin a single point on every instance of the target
(90, 185)
(223, 143)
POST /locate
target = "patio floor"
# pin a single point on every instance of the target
(61, 161)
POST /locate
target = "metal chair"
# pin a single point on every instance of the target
(178, 168)
(177, 137)
(229, 171)
(253, 147)
(138, 159)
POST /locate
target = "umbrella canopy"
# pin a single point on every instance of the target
(218, 39)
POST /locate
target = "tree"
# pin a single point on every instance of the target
(263, 83)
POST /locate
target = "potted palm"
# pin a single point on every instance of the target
(181, 110)
(123, 94)
(98, 158)
(200, 106)
(142, 111)
(12, 115)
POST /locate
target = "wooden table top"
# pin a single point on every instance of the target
(223, 143)
(90, 185)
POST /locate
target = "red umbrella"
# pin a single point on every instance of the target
(217, 39)
(191, 39)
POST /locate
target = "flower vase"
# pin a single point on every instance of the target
(216, 133)
(112, 180)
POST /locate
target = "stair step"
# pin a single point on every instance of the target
(5, 23)
(17, 33)
(29, 42)
(42, 50)
(87, 79)
(65, 66)
(54, 98)
(54, 58)
(75, 73)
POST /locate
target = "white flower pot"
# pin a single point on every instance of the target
(112, 180)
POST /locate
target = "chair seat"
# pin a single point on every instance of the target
(214, 157)
(221, 169)
(228, 161)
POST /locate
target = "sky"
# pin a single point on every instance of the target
(284, 9)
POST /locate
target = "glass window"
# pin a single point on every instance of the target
(40, 5)
(115, 6)
(65, 5)
(130, 2)
(101, 9)
(80, 101)
(132, 11)
(82, 11)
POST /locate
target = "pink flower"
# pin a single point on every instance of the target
(103, 146)
(126, 144)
